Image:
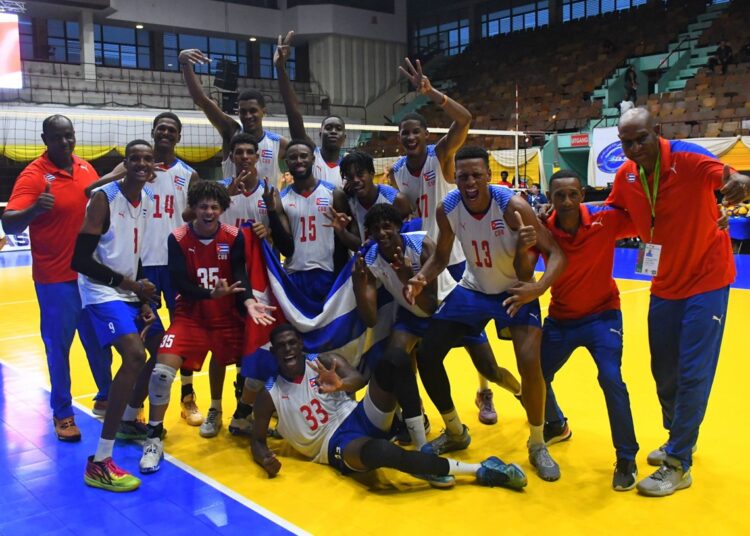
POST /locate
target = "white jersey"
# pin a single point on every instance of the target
(382, 270)
(120, 247)
(245, 207)
(313, 241)
(490, 243)
(170, 189)
(323, 172)
(426, 191)
(307, 417)
(386, 194)
(268, 159)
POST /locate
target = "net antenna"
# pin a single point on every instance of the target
(8, 6)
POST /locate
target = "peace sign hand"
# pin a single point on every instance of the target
(339, 220)
(328, 380)
(283, 50)
(415, 75)
(268, 196)
(225, 289)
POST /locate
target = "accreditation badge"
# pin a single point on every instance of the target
(648, 259)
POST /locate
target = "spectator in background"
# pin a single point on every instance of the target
(535, 197)
(504, 179)
(723, 57)
(631, 84)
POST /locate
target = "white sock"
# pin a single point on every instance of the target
(462, 468)
(104, 449)
(484, 383)
(415, 425)
(186, 380)
(154, 424)
(130, 413)
(537, 435)
(216, 404)
(453, 423)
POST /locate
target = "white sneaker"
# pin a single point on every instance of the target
(241, 426)
(212, 424)
(153, 453)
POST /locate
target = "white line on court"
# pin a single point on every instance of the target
(17, 302)
(283, 523)
(16, 337)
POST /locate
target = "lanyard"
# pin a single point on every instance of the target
(652, 197)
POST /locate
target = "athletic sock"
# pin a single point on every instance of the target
(104, 449)
(187, 384)
(130, 413)
(243, 410)
(155, 429)
(462, 468)
(537, 435)
(415, 426)
(453, 423)
(484, 383)
(216, 404)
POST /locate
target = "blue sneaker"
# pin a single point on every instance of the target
(446, 442)
(495, 472)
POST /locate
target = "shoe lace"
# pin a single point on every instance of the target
(487, 400)
(213, 415)
(623, 466)
(112, 468)
(662, 473)
(543, 458)
(66, 423)
(151, 448)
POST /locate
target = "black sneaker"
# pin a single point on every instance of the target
(555, 432)
(625, 475)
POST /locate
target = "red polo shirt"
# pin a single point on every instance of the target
(53, 235)
(696, 256)
(587, 287)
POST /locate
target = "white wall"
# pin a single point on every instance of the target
(354, 71)
(207, 16)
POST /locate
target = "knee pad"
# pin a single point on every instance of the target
(160, 385)
(253, 385)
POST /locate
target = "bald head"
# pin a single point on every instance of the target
(639, 117)
(639, 140)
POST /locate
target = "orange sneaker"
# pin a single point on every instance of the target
(67, 430)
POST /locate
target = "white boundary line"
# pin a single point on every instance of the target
(244, 501)
(16, 337)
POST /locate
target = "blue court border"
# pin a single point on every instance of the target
(42, 490)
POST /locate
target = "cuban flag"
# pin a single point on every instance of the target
(49, 177)
(496, 225)
(180, 182)
(332, 326)
(631, 177)
(322, 201)
(222, 250)
(261, 204)
(429, 176)
(266, 154)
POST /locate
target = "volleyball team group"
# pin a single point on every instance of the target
(449, 249)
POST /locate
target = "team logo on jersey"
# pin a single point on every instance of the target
(323, 203)
(266, 155)
(314, 383)
(261, 206)
(49, 177)
(429, 176)
(498, 226)
(222, 251)
(631, 177)
(180, 182)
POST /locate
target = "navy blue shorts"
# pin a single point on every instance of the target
(356, 425)
(315, 284)
(159, 276)
(114, 319)
(417, 326)
(475, 309)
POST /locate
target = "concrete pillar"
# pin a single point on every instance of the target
(555, 12)
(88, 60)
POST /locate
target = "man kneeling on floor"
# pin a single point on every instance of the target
(319, 419)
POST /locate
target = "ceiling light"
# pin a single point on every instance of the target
(253, 39)
(139, 26)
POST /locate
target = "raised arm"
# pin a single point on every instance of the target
(525, 292)
(437, 262)
(262, 455)
(447, 146)
(226, 126)
(116, 174)
(291, 103)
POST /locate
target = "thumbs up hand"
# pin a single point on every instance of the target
(736, 187)
(45, 201)
(526, 233)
